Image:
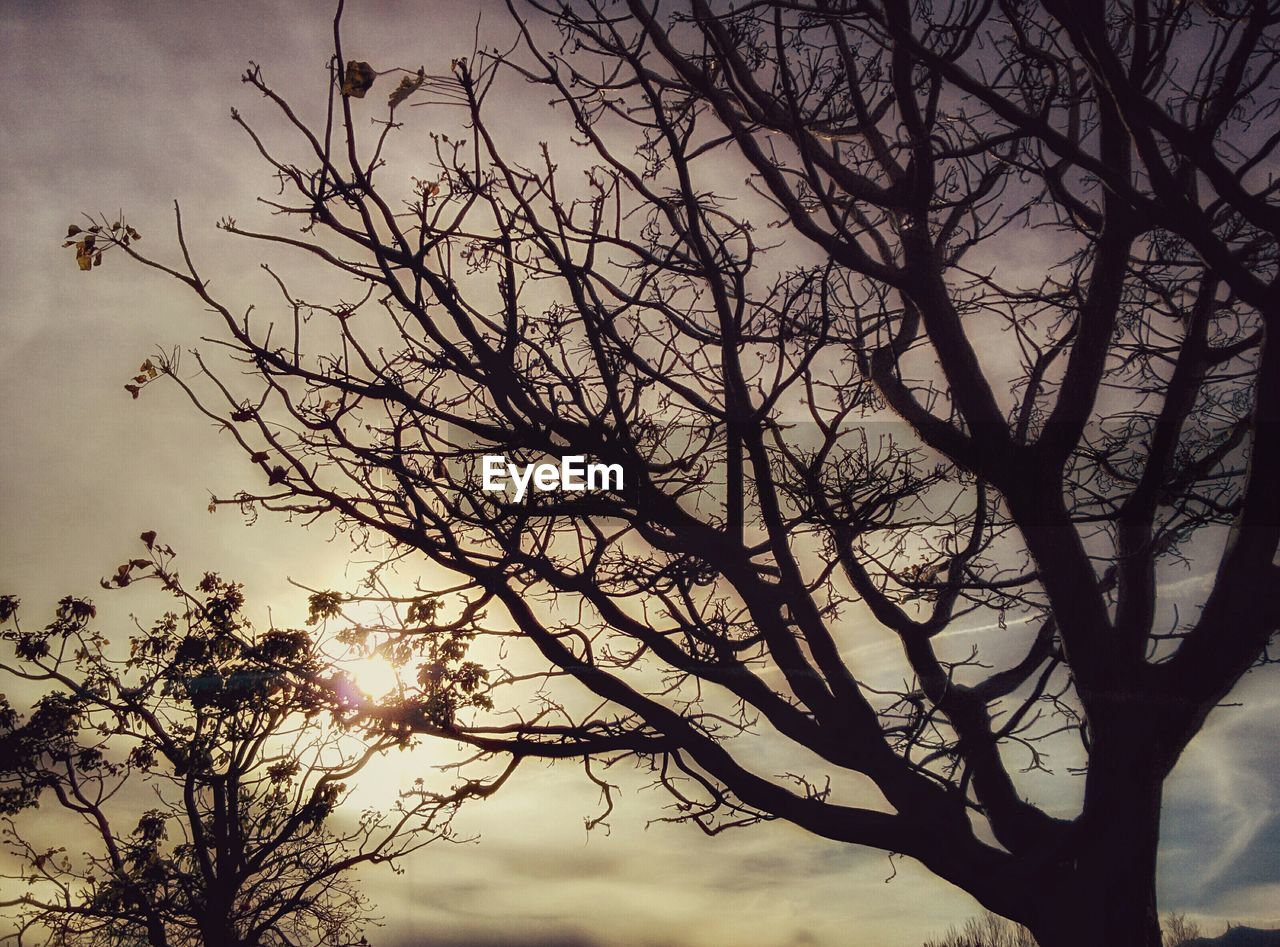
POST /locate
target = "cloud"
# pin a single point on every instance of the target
(1221, 825)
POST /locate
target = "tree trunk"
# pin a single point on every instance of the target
(217, 929)
(1111, 901)
(1115, 910)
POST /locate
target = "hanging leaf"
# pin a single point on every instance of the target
(277, 475)
(408, 85)
(149, 537)
(85, 253)
(357, 79)
(72, 231)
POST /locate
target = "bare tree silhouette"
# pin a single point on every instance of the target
(197, 774)
(1004, 359)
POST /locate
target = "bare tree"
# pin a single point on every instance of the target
(990, 930)
(198, 774)
(986, 931)
(1179, 931)
(900, 318)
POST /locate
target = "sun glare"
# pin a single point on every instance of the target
(375, 675)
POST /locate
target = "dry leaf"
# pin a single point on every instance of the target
(357, 79)
(408, 85)
(85, 253)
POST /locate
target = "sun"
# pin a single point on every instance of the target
(375, 675)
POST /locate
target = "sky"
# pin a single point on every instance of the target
(125, 105)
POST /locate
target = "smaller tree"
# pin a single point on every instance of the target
(1179, 930)
(205, 765)
(989, 930)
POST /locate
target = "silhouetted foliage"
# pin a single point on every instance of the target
(903, 319)
(1179, 930)
(990, 930)
(197, 773)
